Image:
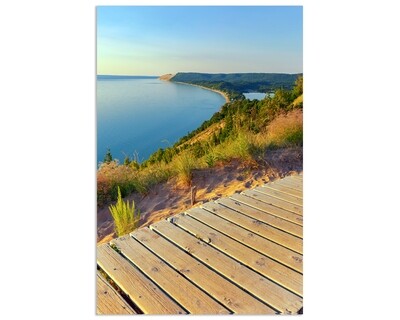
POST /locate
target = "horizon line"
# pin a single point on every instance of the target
(139, 75)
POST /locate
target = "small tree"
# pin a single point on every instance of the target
(127, 161)
(124, 216)
(298, 88)
(108, 157)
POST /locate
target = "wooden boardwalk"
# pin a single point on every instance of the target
(241, 254)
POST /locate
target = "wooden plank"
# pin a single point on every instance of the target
(256, 226)
(244, 277)
(224, 291)
(290, 183)
(274, 201)
(143, 292)
(298, 177)
(269, 268)
(168, 279)
(267, 218)
(109, 301)
(289, 191)
(262, 245)
(294, 179)
(280, 195)
(281, 213)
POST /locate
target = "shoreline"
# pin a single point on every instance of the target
(227, 100)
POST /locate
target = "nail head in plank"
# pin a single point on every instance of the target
(221, 263)
(269, 268)
(256, 226)
(228, 294)
(248, 238)
(172, 282)
(143, 292)
(267, 218)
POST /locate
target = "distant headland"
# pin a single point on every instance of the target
(233, 85)
(167, 77)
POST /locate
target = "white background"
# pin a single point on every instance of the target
(47, 161)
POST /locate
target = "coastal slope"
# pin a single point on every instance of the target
(166, 77)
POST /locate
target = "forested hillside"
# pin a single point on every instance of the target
(235, 84)
(242, 129)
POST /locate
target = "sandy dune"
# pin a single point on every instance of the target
(168, 199)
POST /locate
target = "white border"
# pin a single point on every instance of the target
(351, 70)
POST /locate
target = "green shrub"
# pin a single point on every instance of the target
(124, 215)
(210, 159)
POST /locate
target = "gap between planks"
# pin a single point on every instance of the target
(264, 265)
(141, 290)
(274, 201)
(278, 236)
(259, 286)
(109, 301)
(221, 289)
(265, 207)
(165, 277)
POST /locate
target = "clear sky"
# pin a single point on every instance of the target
(138, 40)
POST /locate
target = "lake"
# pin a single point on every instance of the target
(139, 115)
(256, 95)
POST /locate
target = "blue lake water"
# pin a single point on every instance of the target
(256, 95)
(143, 114)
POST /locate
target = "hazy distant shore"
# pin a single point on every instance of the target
(169, 76)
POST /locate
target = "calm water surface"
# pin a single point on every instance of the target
(256, 95)
(142, 115)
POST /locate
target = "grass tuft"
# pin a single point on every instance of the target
(184, 165)
(124, 215)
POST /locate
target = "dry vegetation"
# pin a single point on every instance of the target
(246, 133)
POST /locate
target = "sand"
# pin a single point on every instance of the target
(167, 199)
(227, 100)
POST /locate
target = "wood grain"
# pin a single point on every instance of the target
(109, 301)
(269, 268)
(142, 291)
(274, 201)
(280, 237)
(278, 212)
(168, 279)
(280, 195)
(224, 291)
(244, 277)
(250, 239)
(267, 218)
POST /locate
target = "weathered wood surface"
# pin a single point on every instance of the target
(256, 261)
(256, 226)
(280, 195)
(211, 282)
(265, 217)
(142, 291)
(109, 301)
(291, 183)
(282, 188)
(274, 201)
(168, 279)
(259, 286)
(251, 239)
(263, 206)
(241, 254)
